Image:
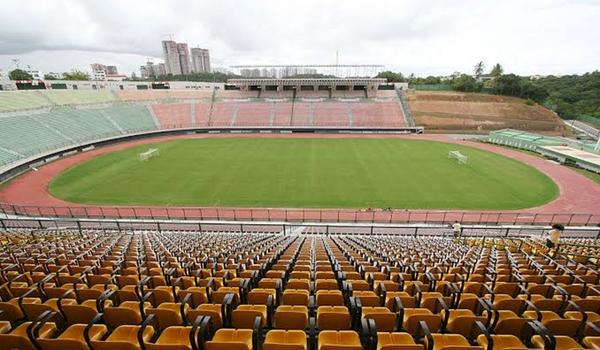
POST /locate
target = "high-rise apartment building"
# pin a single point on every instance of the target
(184, 58)
(171, 56)
(200, 60)
(177, 57)
(180, 60)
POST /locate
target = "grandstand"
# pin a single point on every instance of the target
(521, 139)
(65, 97)
(57, 119)
(13, 101)
(303, 290)
(23, 136)
(173, 115)
(532, 141)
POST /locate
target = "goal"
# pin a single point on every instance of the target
(151, 152)
(461, 158)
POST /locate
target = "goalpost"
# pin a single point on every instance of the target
(461, 158)
(151, 152)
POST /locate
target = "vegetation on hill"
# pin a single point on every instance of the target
(573, 95)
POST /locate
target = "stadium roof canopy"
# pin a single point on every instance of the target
(307, 81)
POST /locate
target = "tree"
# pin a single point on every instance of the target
(478, 69)
(496, 71)
(19, 74)
(431, 80)
(49, 77)
(76, 75)
(534, 92)
(391, 76)
(466, 83)
(508, 84)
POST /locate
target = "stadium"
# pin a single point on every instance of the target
(225, 196)
(300, 198)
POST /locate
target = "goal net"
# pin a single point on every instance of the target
(461, 158)
(152, 152)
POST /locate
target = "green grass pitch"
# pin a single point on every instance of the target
(309, 173)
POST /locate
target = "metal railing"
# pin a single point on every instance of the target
(283, 227)
(302, 215)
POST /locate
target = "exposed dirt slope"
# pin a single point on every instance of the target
(468, 112)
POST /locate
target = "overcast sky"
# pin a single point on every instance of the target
(422, 37)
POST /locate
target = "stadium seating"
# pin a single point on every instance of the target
(27, 135)
(16, 100)
(253, 114)
(303, 114)
(67, 97)
(384, 114)
(65, 117)
(332, 114)
(185, 290)
(77, 125)
(131, 117)
(235, 94)
(191, 95)
(143, 95)
(173, 115)
(201, 114)
(223, 114)
(283, 113)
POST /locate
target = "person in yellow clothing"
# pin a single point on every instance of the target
(554, 237)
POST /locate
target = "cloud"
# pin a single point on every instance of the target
(424, 37)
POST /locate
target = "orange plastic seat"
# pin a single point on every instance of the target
(126, 313)
(17, 338)
(172, 338)
(291, 317)
(562, 342)
(231, 339)
(396, 341)
(244, 316)
(285, 340)
(449, 342)
(295, 297)
(329, 298)
(72, 338)
(215, 311)
(592, 342)
(123, 338)
(385, 320)
(339, 340)
(502, 342)
(262, 295)
(333, 318)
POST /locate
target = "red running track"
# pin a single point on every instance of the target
(578, 194)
